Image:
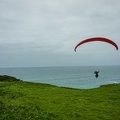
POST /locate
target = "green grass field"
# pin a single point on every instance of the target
(34, 101)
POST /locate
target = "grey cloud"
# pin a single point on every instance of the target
(51, 29)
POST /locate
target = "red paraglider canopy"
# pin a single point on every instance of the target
(97, 39)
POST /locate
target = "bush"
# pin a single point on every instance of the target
(8, 78)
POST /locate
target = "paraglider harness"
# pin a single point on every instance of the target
(96, 74)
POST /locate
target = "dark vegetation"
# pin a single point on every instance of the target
(20, 100)
(8, 78)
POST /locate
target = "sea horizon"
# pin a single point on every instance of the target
(57, 66)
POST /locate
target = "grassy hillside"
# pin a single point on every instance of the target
(32, 101)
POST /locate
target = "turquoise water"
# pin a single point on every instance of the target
(76, 77)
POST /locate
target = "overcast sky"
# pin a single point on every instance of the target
(35, 33)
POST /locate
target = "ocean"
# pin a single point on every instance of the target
(81, 77)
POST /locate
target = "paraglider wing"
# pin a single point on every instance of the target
(97, 39)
